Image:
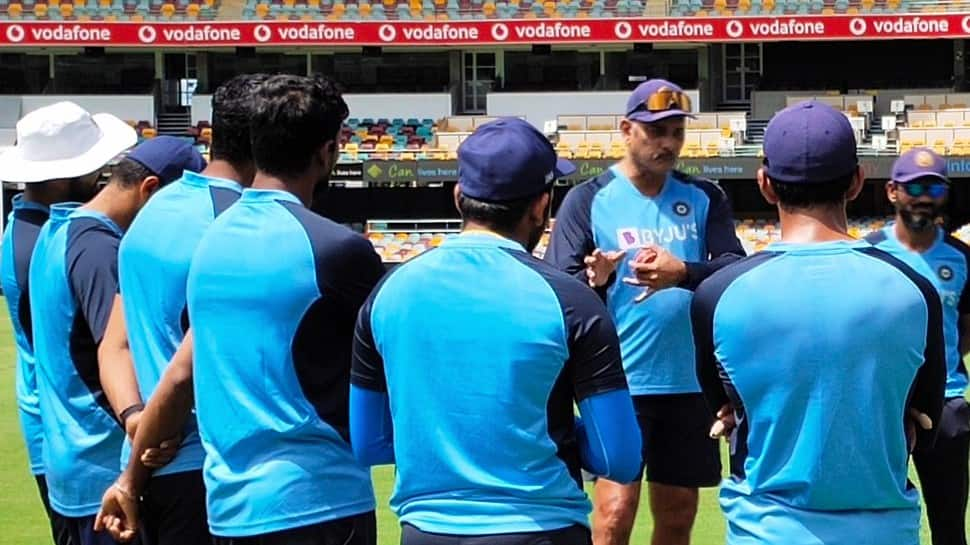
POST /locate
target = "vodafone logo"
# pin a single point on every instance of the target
(734, 28)
(15, 33)
(387, 33)
(500, 32)
(623, 30)
(858, 26)
(262, 33)
(965, 23)
(147, 34)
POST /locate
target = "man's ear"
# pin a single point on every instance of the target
(148, 186)
(858, 182)
(457, 198)
(891, 191)
(764, 185)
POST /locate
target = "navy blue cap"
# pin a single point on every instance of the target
(508, 159)
(919, 163)
(636, 105)
(809, 142)
(167, 157)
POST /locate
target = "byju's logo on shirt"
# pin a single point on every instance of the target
(633, 237)
(946, 273)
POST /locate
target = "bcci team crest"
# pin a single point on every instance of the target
(681, 208)
(924, 159)
(945, 272)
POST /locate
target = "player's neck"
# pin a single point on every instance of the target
(220, 168)
(300, 186)
(647, 183)
(818, 224)
(471, 226)
(115, 203)
(917, 241)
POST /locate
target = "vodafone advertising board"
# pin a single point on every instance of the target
(469, 33)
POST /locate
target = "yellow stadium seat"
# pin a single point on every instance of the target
(67, 10)
(40, 10)
(136, 17)
(192, 10)
(262, 10)
(167, 10)
(828, 11)
(488, 8)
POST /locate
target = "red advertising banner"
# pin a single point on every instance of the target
(482, 33)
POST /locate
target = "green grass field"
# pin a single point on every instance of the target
(22, 521)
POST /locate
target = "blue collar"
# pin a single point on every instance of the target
(20, 204)
(252, 195)
(482, 239)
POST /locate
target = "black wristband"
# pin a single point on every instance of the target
(125, 414)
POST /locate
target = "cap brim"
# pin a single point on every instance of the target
(917, 175)
(644, 116)
(116, 137)
(564, 167)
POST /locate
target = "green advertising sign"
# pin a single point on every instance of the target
(405, 173)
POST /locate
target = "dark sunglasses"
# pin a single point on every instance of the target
(919, 189)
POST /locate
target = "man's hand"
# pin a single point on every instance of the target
(656, 268)
(153, 457)
(119, 513)
(158, 457)
(131, 425)
(914, 419)
(725, 422)
(600, 265)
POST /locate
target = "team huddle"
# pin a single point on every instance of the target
(201, 359)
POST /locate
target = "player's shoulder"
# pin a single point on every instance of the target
(591, 186)
(958, 245)
(566, 287)
(85, 230)
(716, 284)
(709, 187)
(915, 271)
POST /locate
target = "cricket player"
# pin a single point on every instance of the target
(816, 352)
(918, 190)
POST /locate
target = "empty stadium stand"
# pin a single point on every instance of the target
(109, 10)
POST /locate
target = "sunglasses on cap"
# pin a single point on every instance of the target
(919, 189)
(665, 99)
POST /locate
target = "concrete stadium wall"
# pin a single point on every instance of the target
(538, 108)
(127, 107)
(764, 104)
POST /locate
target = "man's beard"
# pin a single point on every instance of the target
(919, 217)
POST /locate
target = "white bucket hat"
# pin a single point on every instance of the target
(64, 141)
